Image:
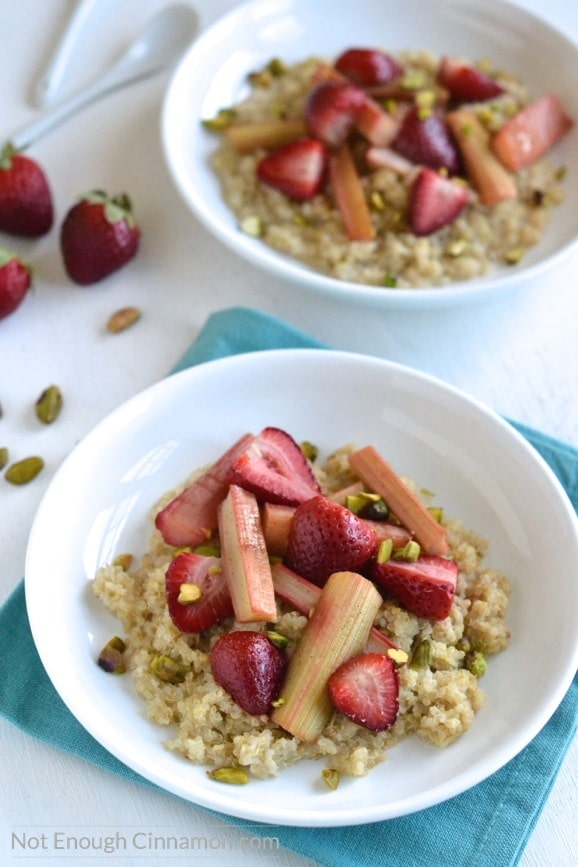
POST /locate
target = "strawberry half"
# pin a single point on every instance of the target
(26, 206)
(425, 139)
(325, 537)
(98, 236)
(466, 83)
(296, 169)
(274, 468)
(425, 587)
(434, 202)
(214, 604)
(368, 66)
(332, 109)
(15, 280)
(366, 689)
(250, 668)
(192, 516)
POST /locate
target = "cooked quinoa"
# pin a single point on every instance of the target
(312, 231)
(437, 702)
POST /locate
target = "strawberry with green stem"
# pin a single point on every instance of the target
(98, 236)
(26, 206)
(15, 280)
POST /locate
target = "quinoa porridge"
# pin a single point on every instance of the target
(438, 663)
(312, 230)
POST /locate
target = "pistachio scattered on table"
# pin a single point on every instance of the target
(22, 472)
(49, 405)
(122, 319)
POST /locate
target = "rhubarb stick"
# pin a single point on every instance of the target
(267, 134)
(244, 558)
(303, 596)
(337, 630)
(486, 172)
(350, 196)
(380, 477)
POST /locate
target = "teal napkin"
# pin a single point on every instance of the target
(487, 826)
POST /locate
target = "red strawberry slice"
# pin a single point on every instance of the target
(326, 537)
(425, 587)
(15, 280)
(434, 202)
(424, 138)
(250, 668)
(466, 83)
(26, 206)
(214, 603)
(296, 169)
(332, 109)
(368, 66)
(366, 689)
(274, 468)
(192, 516)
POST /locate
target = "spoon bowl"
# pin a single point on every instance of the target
(159, 45)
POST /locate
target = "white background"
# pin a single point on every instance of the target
(519, 355)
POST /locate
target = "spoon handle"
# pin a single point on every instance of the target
(49, 83)
(27, 135)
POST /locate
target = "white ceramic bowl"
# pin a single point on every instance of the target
(481, 470)
(212, 75)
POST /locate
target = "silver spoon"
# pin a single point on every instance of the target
(161, 42)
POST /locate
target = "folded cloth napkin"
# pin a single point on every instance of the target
(488, 825)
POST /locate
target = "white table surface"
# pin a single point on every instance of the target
(519, 356)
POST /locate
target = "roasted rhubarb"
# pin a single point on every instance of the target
(337, 630)
(244, 558)
(380, 477)
(487, 174)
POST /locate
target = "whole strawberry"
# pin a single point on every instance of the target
(98, 236)
(250, 668)
(326, 537)
(15, 279)
(26, 206)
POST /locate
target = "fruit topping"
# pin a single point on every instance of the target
(269, 134)
(326, 537)
(274, 468)
(250, 667)
(245, 559)
(434, 202)
(210, 600)
(297, 169)
(350, 195)
(531, 133)
(337, 630)
(485, 172)
(425, 587)
(191, 517)
(378, 126)
(424, 138)
(332, 109)
(368, 66)
(366, 689)
(466, 83)
(26, 206)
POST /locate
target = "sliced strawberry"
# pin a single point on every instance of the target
(366, 689)
(214, 603)
(274, 468)
(368, 66)
(424, 138)
(191, 517)
(531, 133)
(434, 202)
(425, 587)
(332, 109)
(326, 537)
(466, 83)
(296, 169)
(250, 668)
